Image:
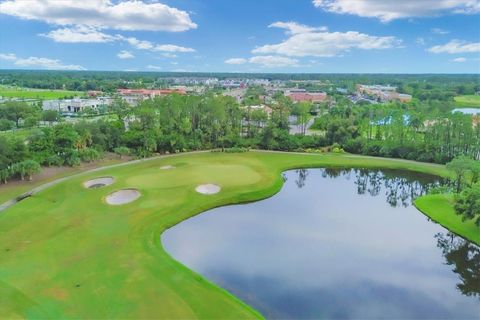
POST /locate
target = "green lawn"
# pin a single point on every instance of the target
(27, 93)
(439, 207)
(65, 253)
(468, 101)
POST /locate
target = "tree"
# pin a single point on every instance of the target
(30, 167)
(15, 110)
(6, 124)
(459, 166)
(468, 203)
(122, 151)
(302, 111)
(50, 116)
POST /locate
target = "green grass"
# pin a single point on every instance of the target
(65, 253)
(468, 101)
(27, 93)
(21, 133)
(13, 189)
(439, 207)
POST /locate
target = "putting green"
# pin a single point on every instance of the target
(65, 253)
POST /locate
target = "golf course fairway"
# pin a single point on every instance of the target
(66, 253)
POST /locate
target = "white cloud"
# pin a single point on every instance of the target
(104, 14)
(439, 31)
(172, 48)
(304, 42)
(273, 61)
(138, 44)
(169, 55)
(42, 63)
(236, 61)
(459, 59)
(456, 46)
(294, 28)
(387, 10)
(152, 67)
(147, 45)
(8, 56)
(88, 34)
(125, 55)
(420, 41)
(78, 34)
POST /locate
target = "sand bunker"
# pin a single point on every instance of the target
(167, 167)
(122, 196)
(98, 183)
(208, 188)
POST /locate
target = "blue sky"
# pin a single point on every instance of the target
(388, 36)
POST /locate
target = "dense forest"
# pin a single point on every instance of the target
(431, 86)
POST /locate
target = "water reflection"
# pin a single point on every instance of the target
(400, 188)
(465, 258)
(302, 177)
(334, 244)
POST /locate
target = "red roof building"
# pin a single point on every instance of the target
(307, 96)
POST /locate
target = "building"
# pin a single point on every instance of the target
(76, 105)
(261, 107)
(149, 93)
(383, 93)
(300, 95)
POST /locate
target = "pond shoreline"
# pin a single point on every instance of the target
(269, 165)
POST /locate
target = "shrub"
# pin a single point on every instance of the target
(88, 155)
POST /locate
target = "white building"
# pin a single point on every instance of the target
(76, 105)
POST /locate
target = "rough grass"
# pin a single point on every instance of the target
(439, 207)
(27, 93)
(65, 253)
(468, 101)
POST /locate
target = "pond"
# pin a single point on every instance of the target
(335, 244)
(471, 111)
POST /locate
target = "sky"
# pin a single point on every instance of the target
(290, 36)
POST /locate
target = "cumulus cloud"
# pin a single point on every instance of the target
(273, 61)
(236, 61)
(129, 15)
(85, 34)
(36, 62)
(307, 41)
(459, 59)
(152, 67)
(125, 55)
(387, 10)
(78, 34)
(456, 46)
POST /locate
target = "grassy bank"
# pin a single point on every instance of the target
(439, 207)
(65, 253)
